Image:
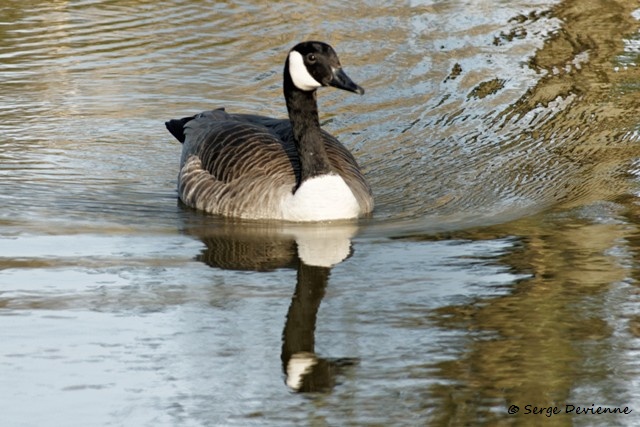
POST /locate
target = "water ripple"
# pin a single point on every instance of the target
(465, 122)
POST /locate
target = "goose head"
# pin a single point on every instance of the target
(313, 64)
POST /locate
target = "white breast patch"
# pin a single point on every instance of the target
(322, 198)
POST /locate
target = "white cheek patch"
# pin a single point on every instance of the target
(299, 74)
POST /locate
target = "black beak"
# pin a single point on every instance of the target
(342, 81)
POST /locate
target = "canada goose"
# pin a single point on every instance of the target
(257, 167)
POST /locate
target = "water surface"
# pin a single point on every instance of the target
(499, 268)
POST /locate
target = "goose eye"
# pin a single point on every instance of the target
(311, 58)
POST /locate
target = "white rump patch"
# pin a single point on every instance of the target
(299, 73)
(322, 198)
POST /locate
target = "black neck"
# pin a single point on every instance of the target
(303, 114)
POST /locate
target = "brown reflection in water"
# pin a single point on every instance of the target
(537, 345)
(584, 110)
(552, 338)
(632, 215)
(568, 140)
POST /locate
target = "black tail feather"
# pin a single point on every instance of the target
(176, 127)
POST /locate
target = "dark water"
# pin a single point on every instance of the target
(502, 140)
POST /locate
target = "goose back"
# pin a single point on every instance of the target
(244, 165)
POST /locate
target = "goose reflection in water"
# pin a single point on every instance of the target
(312, 250)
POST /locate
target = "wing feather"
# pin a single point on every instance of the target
(244, 165)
